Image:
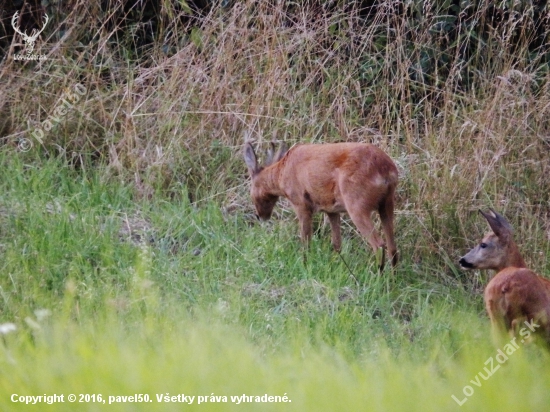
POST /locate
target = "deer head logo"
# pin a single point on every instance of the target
(28, 40)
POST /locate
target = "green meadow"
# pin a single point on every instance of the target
(113, 297)
(133, 274)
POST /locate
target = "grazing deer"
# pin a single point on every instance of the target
(356, 178)
(515, 295)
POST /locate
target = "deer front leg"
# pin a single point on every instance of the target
(500, 331)
(306, 228)
(334, 219)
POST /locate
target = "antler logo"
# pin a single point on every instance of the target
(29, 40)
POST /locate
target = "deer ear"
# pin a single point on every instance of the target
(274, 157)
(498, 223)
(502, 221)
(270, 154)
(250, 159)
(281, 152)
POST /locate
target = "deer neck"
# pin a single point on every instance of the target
(514, 258)
(268, 179)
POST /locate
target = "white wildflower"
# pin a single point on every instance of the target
(42, 314)
(6, 328)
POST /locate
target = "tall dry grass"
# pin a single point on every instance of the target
(466, 118)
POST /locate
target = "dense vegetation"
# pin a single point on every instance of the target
(129, 259)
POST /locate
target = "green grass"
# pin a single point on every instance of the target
(128, 259)
(167, 297)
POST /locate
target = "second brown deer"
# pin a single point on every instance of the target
(356, 178)
(516, 298)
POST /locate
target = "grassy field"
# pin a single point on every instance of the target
(113, 297)
(132, 271)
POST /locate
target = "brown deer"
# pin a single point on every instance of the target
(515, 296)
(356, 178)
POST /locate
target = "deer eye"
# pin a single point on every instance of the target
(483, 245)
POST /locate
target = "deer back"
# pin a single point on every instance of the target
(329, 177)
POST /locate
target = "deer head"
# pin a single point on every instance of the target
(497, 250)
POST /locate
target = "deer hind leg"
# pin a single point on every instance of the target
(386, 217)
(334, 219)
(362, 219)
